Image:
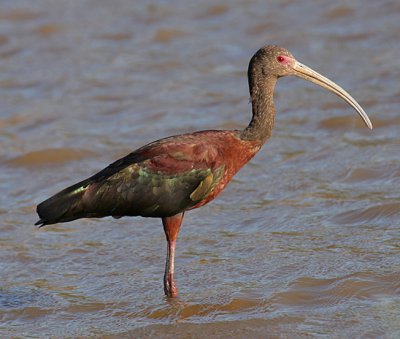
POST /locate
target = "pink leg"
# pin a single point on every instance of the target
(171, 229)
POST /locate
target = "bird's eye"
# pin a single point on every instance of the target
(280, 58)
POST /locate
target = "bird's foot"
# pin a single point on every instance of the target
(170, 289)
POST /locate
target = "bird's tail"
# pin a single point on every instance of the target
(64, 206)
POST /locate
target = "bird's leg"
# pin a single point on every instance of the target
(171, 229)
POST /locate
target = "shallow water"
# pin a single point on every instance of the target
(305, 240)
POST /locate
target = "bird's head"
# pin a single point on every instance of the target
(275, 61)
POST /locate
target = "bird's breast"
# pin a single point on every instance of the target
(234, 154)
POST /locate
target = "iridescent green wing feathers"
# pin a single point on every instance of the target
(139, 190)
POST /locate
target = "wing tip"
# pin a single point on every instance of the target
(40, 223)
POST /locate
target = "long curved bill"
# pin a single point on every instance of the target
(307, 73)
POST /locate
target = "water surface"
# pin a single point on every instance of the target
(305, 240)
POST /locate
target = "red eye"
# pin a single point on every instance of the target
(280, 58)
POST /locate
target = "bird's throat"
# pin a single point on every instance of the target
(262, 100)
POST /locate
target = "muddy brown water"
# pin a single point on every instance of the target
(305, 240)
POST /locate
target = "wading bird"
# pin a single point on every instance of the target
(170, 176)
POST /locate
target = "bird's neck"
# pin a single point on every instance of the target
(262, 101)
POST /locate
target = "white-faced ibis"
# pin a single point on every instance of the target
(168, 177)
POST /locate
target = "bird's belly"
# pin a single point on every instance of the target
(226, 178)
